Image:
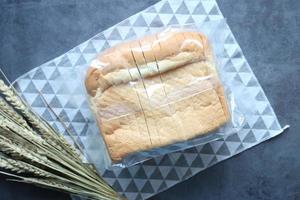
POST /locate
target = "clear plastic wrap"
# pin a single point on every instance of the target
(162, 92)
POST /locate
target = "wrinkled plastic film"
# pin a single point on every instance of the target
(161, 90)
(157, 88)
(129, 112)
(178, 125)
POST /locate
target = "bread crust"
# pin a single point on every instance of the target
(173, 51)
(155, 91)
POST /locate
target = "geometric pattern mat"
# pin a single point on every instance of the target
(155, 175)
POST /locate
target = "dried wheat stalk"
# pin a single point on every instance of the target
(36, 122)
(31, 148)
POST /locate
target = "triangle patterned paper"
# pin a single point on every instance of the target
(156, 175)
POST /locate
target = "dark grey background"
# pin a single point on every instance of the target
(35, 31)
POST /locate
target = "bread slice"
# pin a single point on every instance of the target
(155, 91)
(157, 86)
(203, 115)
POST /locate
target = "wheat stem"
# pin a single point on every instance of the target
(30, 145)
(8, 147)
(4, 123)
(37, 141)
(22, 167)
(12, 113)
(42, 127)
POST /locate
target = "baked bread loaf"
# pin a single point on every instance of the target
(155, 91)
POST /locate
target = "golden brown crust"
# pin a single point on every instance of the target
(156, 91)
(168, 46)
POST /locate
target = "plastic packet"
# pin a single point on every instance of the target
(161, 93)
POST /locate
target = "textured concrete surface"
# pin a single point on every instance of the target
(35, 31)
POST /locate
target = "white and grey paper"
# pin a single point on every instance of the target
(155, 175)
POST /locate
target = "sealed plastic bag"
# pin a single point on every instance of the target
(161, 93)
